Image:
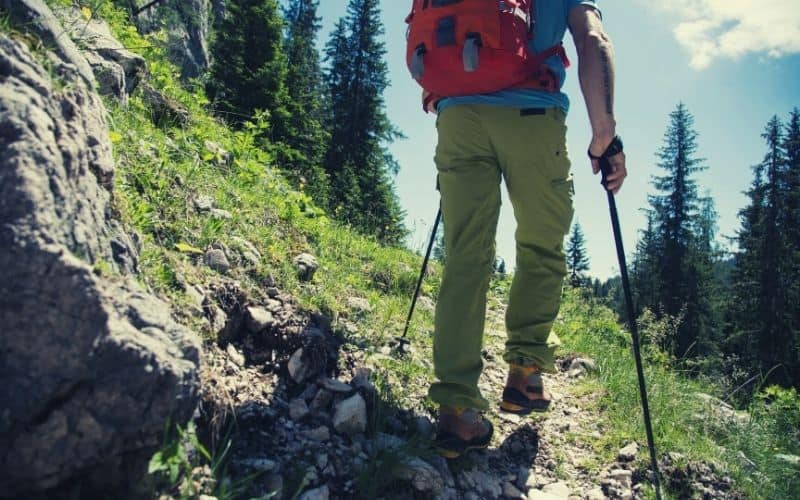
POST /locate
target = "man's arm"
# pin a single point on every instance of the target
(596, 72)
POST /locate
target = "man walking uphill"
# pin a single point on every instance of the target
(493, 71)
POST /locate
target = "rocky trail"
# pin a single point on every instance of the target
(306, 421)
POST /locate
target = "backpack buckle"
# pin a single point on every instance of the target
(470, 55)
(417, 66)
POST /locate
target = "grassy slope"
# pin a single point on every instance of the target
(161, 170)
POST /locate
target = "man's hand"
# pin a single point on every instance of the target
(616, 177)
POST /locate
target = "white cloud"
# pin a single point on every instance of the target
(713, 29)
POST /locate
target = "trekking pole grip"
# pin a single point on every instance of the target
(614, 148)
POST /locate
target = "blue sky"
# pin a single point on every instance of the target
(734, 64)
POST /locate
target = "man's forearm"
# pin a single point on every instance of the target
(596, 71)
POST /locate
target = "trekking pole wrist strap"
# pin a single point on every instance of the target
(605, 166)
(614, 148)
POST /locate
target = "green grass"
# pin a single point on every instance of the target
(680, 421)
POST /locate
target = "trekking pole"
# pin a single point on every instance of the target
(605, 168)
(402, 340)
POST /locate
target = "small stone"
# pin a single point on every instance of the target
(359, 304)
(350, 416)
(535, 494)
(217, 260)
(306, 265)
(424, 426)
(320, 434)
(196, 297)
(623, 476)
(258, 319)
(298, 367)
(321, 493)
(628, 453)
(531, 481)
(422, 475)
(321, 400)
(511, 491)
(789, 459)
(385, 441)
(259, 464)
(322, 461)
(274, 306)
(272, 292)
(220, 213)
(595, 494)
(235, 356)
(309, 393)
(426, 304)
(334, 385)
(203, 203)
(510, 417)
(298, 409)
(559, 489)
(580, 367)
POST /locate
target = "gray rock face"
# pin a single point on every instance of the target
(117, 69)
(92, 367)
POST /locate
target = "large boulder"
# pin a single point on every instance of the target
(117, 70)
(93, 367)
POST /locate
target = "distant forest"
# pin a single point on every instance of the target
(731, 315)
(322, 117)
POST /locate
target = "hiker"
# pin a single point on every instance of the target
(499, 118)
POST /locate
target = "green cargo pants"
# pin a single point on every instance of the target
(527, 147)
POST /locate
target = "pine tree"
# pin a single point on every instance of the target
(248, 72)
(577, 258)
(675, 210)
(357, 160)
(307, 137)
(765, 310)
(745, 324)
(791, 146)
(703, 307)
(645, 272)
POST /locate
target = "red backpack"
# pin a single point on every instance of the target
(464, 47)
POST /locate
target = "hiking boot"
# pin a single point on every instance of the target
(524, 391)
(460, 430)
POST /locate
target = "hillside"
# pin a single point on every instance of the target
(281, 374)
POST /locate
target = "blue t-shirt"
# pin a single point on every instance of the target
(551, 25)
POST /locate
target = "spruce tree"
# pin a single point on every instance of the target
(248, 72)
(357, 160)
(791, 146)
(307, 136)
(577, 258)
(675, 210)
(645, 268)
(765, 311)
(742, 310)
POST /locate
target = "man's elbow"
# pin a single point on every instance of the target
(591, 40)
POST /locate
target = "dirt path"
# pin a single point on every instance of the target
(289, 435)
